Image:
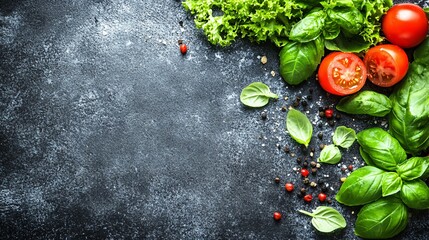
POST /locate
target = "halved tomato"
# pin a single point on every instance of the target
(342, 73)
(387, 64)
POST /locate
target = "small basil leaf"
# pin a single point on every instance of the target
(413, 168)
(366, 102)
(256, 94)
(346, 44)
(330, 154)
(382, 219)
(415, 194)
(361, 187)
(366, 158)
(384, 150)
(390, 184)
(326, 219)
(308, 28)
(344, 137)
(299, 127)
(299, 61)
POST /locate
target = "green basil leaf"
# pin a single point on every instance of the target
(330, 154)
(308, 28)
(384, 218)
(366, 102)
(361, 187)
(350, 19)
(326, 219)
(420, 54)
(331, 29)
(366, 158)
(384, 150)
(299, 127)
(299, 61)
(413, 168)
(343, 43)
(408, 121)
(415, 194)
(256, 94)
(344, 137)
(390, 184)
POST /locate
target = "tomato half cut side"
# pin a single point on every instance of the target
(386, 64)
(342, 73)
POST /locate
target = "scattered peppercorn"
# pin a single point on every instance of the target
(343, 169)
(308, 198)
(286, 149)
(329, 113)
(313, 164)
(321, 146)
(320, 135)
(337, 116)
(264, 115)
(329, 201)
(277, 180)
(303, 191)
(264, 59)
(313, 171)
(304, 172)
(306, 181)
(289, 187)
(304, 103)
(183, 48)
(324, 188)
(284, 108)
(305, 164)
(318, 165)
(313, 184)
(331, 123)
(321, 114)
(322, 197)
(343, 179)
(350, 167)
(277, 216)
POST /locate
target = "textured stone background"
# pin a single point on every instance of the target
(108, 132)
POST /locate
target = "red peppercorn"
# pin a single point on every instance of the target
(277, 216)
(308, 198)
(183, 48)
(329, 113)
(322, 197)
(304, 172)
(350, 167)
(289, 187)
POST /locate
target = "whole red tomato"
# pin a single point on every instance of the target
(342, 73)
(386, 64)
(405, 25)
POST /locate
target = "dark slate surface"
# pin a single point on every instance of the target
(108, 132)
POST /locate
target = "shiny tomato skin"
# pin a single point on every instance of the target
(342, 73)
(387, 64)
(405, 25)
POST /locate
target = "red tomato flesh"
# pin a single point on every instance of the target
(342, 73)
(405, 25)
(386, 64)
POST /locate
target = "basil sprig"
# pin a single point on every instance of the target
(256, 94)
(343, 137)
(386, 187)
(326, 219)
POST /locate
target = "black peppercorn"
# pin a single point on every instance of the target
(264, 115)
(305, 164)
(313, 164)
(338, 116)
(313, 171)
(320, 135)
(306, 181)
(286, 149)
(321, 146)
(284, 108)
(321, 114)
(304, 103)
(277, 180)
(303, 191)
(331, 123)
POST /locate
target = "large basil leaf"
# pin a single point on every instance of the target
(331, 29)
(390, 184)
(350, 19)
(343, 43)
(299, 127)
(309, 28)
(413, 168)
(361, 187)
(415, 194)
(326, 219)
(344, 137)
(299, 61)
(256, 94)
(384, 150)
(421, 53)
(330, 154)
(408, 121)
(366, 102)
(366, 158)
(382, 219)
